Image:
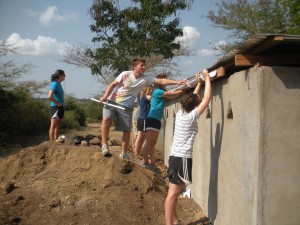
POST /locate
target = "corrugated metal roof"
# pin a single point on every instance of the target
(261, 49)
(264, 44)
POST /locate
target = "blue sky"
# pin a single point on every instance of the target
(41, 29)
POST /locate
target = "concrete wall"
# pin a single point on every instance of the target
(280, 156)
(246, 169)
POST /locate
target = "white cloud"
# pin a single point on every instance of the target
(206, 52)
(51, 15)
(190, 37)
(219, 45)
(41, 46)
(215, 50)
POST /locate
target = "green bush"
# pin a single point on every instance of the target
(93, 111)
(21, 114)
(72, 105)
(70, 120)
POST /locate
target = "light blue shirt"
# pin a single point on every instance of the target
(58, 93)
(157, 104)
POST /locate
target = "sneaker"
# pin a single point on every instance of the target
(105, 150)
(124, 155)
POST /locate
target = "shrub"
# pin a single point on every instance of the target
(93, 111)
(72, 105)
(70, 120)
(21, 114)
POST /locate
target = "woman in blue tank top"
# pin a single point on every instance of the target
(56, 97)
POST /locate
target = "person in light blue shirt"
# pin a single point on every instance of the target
(56, 97)
(153, 124)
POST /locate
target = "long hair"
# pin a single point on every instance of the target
(55, 76)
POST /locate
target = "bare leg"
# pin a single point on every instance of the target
(170, 204)
(52, 128)
(105, 130)
(154, 136)
(151, 138)
(139, 142)
(125, 141)
(57, 129)
(134, 140)
(174, 216)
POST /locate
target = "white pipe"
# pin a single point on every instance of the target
(108, 104)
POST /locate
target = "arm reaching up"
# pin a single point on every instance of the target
(207, 93)
(198, 87)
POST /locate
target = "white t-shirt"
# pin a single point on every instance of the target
(186, 128)
(129, 87)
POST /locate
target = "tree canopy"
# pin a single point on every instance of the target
(247, 17)
(144, 29)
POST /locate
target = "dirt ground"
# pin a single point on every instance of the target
(61, 183)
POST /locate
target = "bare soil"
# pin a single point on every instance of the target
(62, 183)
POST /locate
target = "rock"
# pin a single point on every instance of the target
(95, 141)
(84, 143)
(10, 187)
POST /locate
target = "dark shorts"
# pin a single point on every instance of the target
(153, 124)
(57, 112)
(141, 125)
(180, 170)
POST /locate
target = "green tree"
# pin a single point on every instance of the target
(247, 17)
(140, 30)
(291, 11)
(144, 29)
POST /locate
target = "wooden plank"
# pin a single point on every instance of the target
(280, 60)
(266, 44)
(220, 73)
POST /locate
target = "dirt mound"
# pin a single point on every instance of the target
(54, 183)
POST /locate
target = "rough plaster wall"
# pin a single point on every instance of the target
(246, 170)
(232, 152)
(281, 135)
(159, 147)
(225, 168)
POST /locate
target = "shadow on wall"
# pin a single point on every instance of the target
(289, 76)
(215, 150)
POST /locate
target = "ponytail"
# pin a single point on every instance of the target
(55, 76)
